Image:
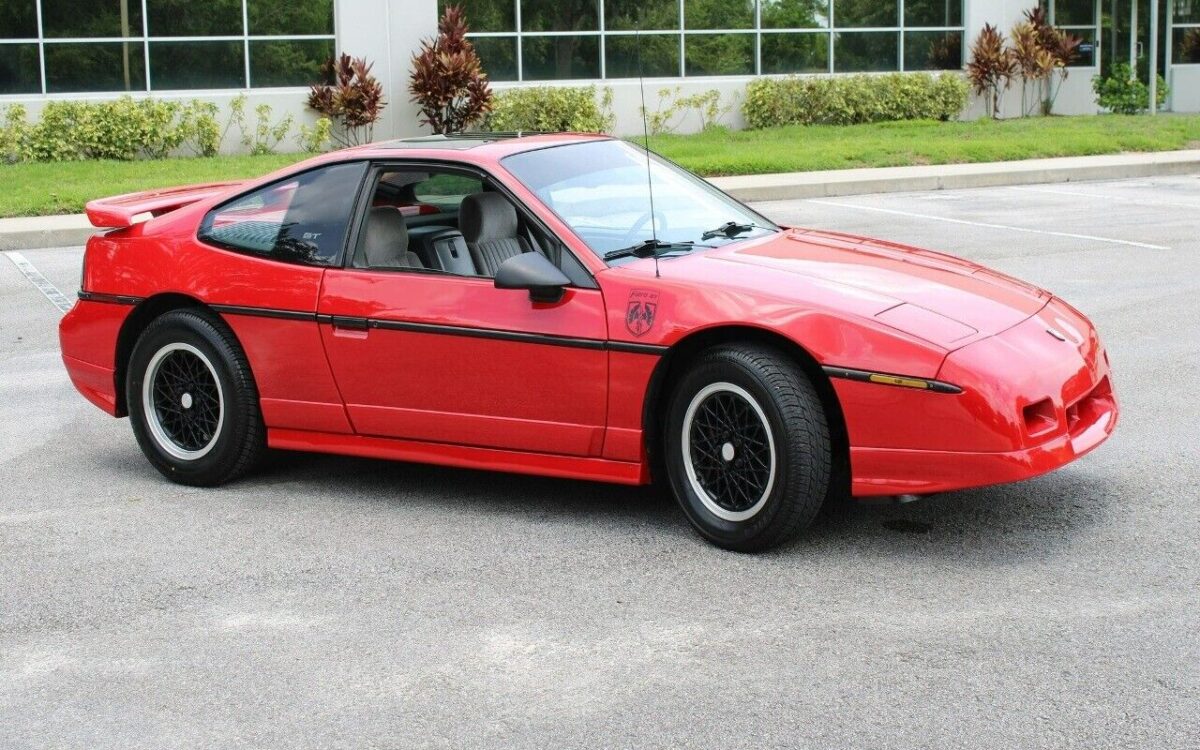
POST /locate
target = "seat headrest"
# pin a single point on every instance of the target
(385, 244)
(487, 216)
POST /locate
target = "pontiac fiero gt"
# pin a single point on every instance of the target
(568, 305)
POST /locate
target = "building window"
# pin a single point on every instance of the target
(539, 40)
(1079, 18)
(1185, 32)
(65, 46)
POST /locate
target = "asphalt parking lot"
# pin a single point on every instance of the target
(328, 602)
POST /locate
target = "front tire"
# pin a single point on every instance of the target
(748, 451)
(192, 400)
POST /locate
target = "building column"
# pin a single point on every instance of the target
(387, 33)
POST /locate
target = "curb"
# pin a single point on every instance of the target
(37, 232)
(832, 183)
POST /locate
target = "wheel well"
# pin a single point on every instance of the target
(670, 368)
(145, 312)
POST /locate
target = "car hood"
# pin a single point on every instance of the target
(939, 298)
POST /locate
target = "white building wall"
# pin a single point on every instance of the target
(388, 33)
(1184, 81)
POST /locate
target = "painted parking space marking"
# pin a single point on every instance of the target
(29, 271)
(1125, 200)
(987, 225)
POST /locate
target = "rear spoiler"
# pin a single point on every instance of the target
(131, 208)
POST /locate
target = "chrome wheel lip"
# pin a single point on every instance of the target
(157, 431)
(689, 466)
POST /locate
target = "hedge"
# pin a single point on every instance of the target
(848, 100)
(556, 109)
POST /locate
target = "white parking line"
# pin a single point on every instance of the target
(989, 226)
(57, 298)
(1125, 200)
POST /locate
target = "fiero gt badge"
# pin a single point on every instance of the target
(639, 315)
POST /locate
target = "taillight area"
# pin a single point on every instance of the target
(1040, 417)
(1087, 410)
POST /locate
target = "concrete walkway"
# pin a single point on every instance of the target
(64, 231)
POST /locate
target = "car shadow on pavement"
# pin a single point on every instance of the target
(1034, 517)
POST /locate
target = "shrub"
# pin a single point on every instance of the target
(673, 108)
(314, 138)
(199, 129)
(556, 109)
(846, 100)
(1123, 93)
(13, 133)
(991, 68)
(351, 97)
(447, 78)
(264, 136)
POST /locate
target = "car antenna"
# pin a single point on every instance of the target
(646, 142)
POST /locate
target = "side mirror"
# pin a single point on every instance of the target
(532, 271)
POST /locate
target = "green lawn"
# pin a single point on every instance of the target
(805, 148)
(63, 187)
(41, 189)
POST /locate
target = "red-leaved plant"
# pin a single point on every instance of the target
(447, 80)
(1062, 49)
(349, 96)
(992, 67)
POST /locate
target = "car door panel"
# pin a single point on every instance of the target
(452, 359)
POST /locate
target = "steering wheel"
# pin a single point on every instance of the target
(660, 223)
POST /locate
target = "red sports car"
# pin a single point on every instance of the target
(530, 304)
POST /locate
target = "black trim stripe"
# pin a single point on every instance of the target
(264, 312)
(864, 376)
(111, 299)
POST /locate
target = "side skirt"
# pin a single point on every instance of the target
(462, 456)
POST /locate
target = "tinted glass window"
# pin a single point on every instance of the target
(795, 53)
(933, 50)
(94, 18)
(933, 13)
(720, 54)
(98, 66)
(19, 72)
(865, 14)
(498, 55)
(18, 19)
(296, 62)
(659, 56)
(561, 57)
(795, 14)
(180, 18)
(285, 17)
(625, 15)
(718, 14)
(197, 65)
(560, 15)
(865, 51)
(301, 219)
(485, 15)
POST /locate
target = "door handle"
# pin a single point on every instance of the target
(349, 324)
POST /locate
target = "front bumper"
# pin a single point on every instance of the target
(1035, 398)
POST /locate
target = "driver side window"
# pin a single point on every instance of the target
(430, 219)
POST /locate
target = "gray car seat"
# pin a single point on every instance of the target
(489, 224)
(385, 241)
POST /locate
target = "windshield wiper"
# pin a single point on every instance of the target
(650, 249)
(729, 230)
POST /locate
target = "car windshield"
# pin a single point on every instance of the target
(600, 189)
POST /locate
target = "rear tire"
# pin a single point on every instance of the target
(192, 400)
(747, 447)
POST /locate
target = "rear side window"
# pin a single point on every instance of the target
(301, 219)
